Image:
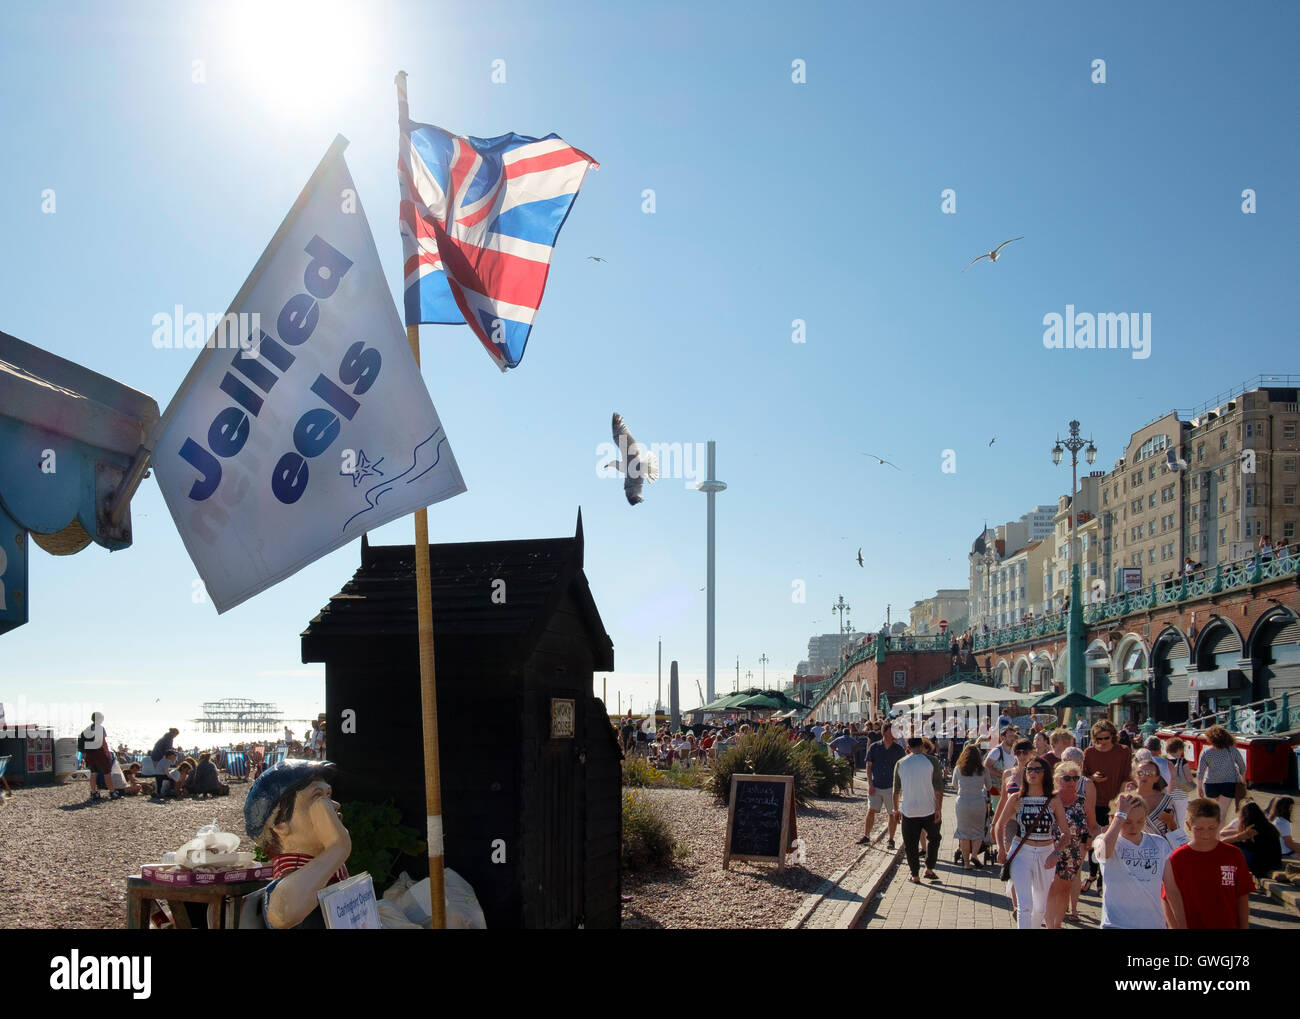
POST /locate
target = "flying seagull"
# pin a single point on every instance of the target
(993, 440)
(882, 462)
(859, 555)
(992, 256)
(596, 258)
(640, 466)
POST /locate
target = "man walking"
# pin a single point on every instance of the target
(882, 757)
(918, 796)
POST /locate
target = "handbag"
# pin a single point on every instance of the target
(1177, 838)
(1006, 867)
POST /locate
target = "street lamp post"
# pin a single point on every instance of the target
(1074, 632)
(841, 608)
(764, 660)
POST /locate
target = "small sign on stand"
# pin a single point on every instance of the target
(759, 819)
(350, 904)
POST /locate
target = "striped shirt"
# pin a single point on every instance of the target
(287, 863)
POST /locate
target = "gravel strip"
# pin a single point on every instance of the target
(64, 860)
(699, 893)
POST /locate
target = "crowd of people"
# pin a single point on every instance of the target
(1061, 813)
(173, 773)
(1116, 815)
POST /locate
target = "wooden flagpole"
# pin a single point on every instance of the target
(429, 700)
(428, 687)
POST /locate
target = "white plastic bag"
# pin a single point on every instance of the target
(392, 918)
(463, 911)
(213, 848)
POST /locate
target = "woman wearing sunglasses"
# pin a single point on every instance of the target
(1150, 787)
(1076, 795)
(1033, 854)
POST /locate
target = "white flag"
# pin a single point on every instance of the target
(306, 422)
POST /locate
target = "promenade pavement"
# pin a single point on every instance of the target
(977, 900)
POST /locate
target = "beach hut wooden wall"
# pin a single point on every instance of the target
(531, 773)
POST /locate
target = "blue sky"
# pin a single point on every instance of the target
(774, 201)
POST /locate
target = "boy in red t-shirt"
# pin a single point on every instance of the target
(1207, 882)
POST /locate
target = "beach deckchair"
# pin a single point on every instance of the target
(237, 766)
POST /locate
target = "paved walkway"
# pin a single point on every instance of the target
(977, 900)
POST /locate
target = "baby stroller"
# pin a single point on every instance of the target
(986, 847)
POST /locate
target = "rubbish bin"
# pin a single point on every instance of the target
(1268, 759)
(65, 758)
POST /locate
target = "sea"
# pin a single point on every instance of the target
(140, 737)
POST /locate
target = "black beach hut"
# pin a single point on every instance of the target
(531, 780)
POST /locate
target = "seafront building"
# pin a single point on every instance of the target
(1206, 485)
(948, 604)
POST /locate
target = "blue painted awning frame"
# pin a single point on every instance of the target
(68, 437)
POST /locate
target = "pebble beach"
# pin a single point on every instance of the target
(64, 859)
(697, 892)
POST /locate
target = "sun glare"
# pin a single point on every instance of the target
(297, 57)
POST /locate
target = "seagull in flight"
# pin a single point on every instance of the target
(640, 466)
(993, 440)
(992, 256)
(596, 258)
(859, 555)
(882, 462)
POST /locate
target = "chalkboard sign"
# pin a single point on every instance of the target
(758, 819)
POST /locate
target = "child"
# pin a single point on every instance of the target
(1207, 883)
(132, 776)
(1133, 865)
(179, 776)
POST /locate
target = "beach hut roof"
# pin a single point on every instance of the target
(537, 573)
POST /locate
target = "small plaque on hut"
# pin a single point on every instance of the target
(562, 711)
(758, 819)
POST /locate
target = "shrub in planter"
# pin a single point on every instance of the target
(648, 843)
(639, 773)
(379, 840)
(765, 752)
(823, 771)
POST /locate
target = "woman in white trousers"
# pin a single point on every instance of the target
(1040, 818)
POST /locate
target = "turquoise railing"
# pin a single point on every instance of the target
(1261, 718)
(1225, 577)
(896, 642)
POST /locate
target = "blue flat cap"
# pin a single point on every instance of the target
(271, 786)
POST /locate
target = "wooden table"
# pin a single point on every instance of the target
(227, 898)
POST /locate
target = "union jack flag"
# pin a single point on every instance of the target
(479, 219)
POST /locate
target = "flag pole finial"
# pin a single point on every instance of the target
(399, 79)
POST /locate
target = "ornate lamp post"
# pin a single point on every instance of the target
(841, 607)
(1074, 630)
